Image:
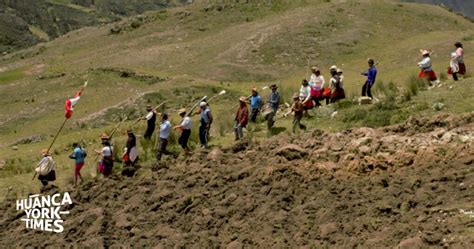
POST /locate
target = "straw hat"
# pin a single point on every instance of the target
(202, 104)
(296, 96)
(316, 69)
(243, 99)
(254, 89)
(181, 111)
(333, 67)
(339, 70)
(104, 136)
(149, 108)
(424, 52)
(44, 152)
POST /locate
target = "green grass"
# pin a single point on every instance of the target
(242, 45)
(11, 75)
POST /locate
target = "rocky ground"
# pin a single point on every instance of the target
(403, 186)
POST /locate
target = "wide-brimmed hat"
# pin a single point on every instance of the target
(181, 111)
(316, 69)
(273, 86)
(149, 108)
(104, 136)
(296, 96)
(129, 131)
(254, 89)
(424, 52)
(44, 152)
(243, 98)
(202, 104)
(333, 67)
(339, 70)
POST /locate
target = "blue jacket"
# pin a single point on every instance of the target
(371, 75)
(255, 101)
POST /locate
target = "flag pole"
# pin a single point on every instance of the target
(61, 128)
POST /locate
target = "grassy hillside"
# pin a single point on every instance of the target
(182, 53)
(461, 6)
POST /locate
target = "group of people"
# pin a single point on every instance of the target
(312, 93)
(456, 64)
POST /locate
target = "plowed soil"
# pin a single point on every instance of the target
(405, 186)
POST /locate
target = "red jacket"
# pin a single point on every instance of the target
(242, 115)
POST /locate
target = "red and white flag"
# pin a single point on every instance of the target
(70, 103)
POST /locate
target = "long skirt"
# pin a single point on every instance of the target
(431, 75)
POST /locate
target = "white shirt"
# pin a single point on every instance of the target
(425, 63)
(165, 129)
(149, 115)
(317, 82)
(305, 92)
(186, 123)
(107, 151)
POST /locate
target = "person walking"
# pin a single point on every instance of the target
(255, 105)
(460, 58)
(45, 169)
(273, 104)
(426, 68)
(241, 118)
(333, 83)
(106, 164)
(298, 109)
(316, 83)
(151, 122)
(453, 68)
(185, 127)
(371, 74)
(131, 153)
(165, 131)
(205, 119)
(305, 96)
(339, 92)
(79, 155)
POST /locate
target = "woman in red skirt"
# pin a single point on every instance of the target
(460, 58)
(425, 66)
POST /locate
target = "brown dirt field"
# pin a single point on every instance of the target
(401, 186)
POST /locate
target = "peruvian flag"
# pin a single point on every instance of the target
(70, 103)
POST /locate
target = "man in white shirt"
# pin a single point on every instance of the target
(151, 120)
(185, 127)
(165, 131)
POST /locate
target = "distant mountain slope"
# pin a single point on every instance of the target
(466, 7)
(24, 23)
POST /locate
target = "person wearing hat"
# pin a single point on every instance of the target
(151, 121)
(107, 162)
(339, 87)
(205, 119)
(274, 103)
(130, 156)
(425, 66)
(104, 137)
(185, 127)
(460, 58)
(334, 83)
(78, 154)
(298, 108)
(165, 132)
(255, 104)
(305, 95)
(241, 118)
(371, 74)
(45, 169)
(316, 82)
